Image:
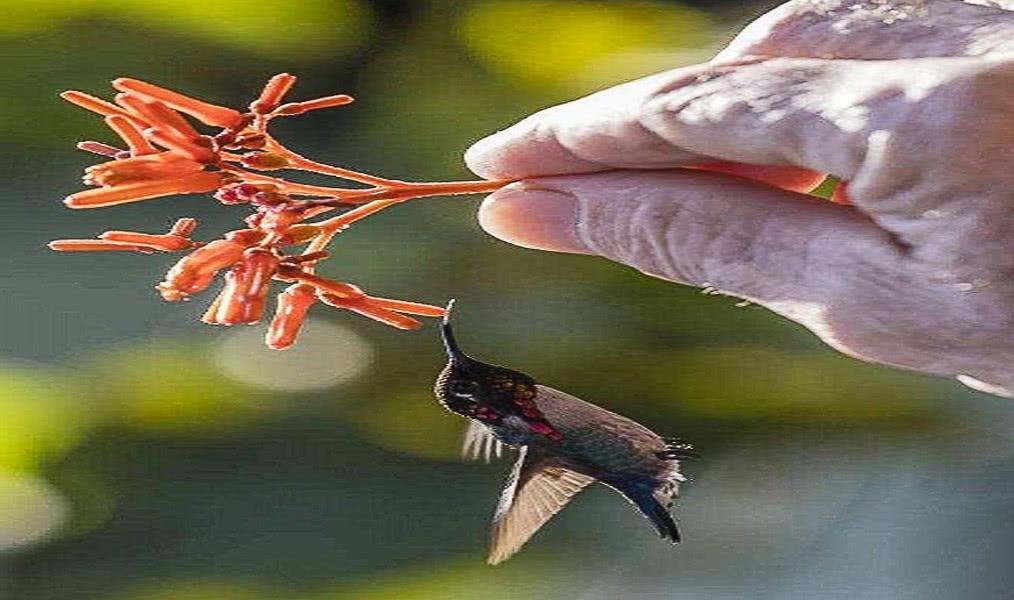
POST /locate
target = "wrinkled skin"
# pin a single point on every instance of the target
(910, 102)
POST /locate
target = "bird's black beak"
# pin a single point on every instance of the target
(454, 353)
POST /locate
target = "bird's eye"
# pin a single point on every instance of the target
(464, 388)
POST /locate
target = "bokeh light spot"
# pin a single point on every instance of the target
(166, 386)
(310, 29)
(413, 423)
(41, 418)
(212, 589)
(30, 510)
(547, 44)
(326, 355)
(744, 382)
(307, 30)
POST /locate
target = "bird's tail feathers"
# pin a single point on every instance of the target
(677, 449)
(655, 505)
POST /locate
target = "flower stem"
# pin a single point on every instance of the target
(298, 161)
(383, 197)
(407, 191)
(291, 187)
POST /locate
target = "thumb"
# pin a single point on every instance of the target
(705, 229)
(823, 265)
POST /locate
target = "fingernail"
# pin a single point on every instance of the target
(532, 217)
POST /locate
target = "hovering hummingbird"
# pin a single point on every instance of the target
(564, 444)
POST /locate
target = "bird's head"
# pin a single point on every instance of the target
(485, 392)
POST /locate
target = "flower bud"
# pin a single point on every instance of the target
(273, 92)
(264, 161)
(298, 108)
(246, 288)
(301, 233)
(194, 272)
(293, 305)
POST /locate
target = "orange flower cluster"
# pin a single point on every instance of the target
(165, 155)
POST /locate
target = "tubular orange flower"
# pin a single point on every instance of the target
(156, 114)
(167, 155)
(290, 313)
(164, 165)
(178, 238)
(190, 149)
(274, 91)
(195, 272)
(145, 190)
(246, 288)
(97, 246)
(363, 306)
(412, 308)
(210, 114)
(162, 243)
(131, 135)
(96, 105)
(298, 108)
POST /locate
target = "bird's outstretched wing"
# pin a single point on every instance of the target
(538, 487)
(480, 442)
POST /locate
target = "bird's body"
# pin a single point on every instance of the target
(564, 445)
(596, 442)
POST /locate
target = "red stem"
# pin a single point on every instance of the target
(299, 161)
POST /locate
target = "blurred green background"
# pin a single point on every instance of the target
(144, 456)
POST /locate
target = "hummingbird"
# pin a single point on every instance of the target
(564, 444)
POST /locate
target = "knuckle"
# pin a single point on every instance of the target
(718, 110)
(925, 169)
(698, 232)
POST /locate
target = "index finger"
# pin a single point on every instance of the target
(604, 131)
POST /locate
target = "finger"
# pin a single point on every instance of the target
(779, 112)
(874, 29)
(704, 229)
(823, 265)
(602, 131)
(598, 132)
(741, 113)
(882, 125)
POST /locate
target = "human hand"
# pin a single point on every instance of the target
(911, 103)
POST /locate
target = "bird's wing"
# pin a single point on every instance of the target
(538, 487)
(480, 442)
